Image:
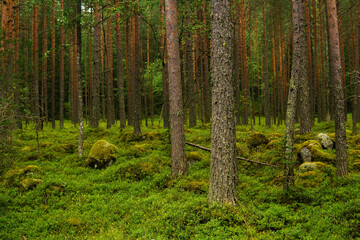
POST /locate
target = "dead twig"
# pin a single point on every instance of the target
(330, 215)
(240, 158)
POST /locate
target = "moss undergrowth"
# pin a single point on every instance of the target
(49, 193)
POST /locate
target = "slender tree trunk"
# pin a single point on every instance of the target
(136, 83)
(298, 74)
(190, 79)
(44, 112)
(109, 74)
(336, 81)
(53, 63)
(120, 78)
(224, 169)
(355, 110)
(207, 99)
(128, 78)
(36, 105)
(95, 98)
(266, 73)
(62, 68)
(236, 55)
(243, 54)
(79, 79)
(164, 67)
(17, 69)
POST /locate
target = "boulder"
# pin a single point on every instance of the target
(325, 141)
(305, 155)
(311, 166)
(101, 154)
(257, 139)
(317, 153)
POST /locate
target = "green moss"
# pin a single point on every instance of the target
(308, 179)
(65, 148)
(30, 183)
(356, 165)
(242, 150)
(311, 166)
(274, 136)
(152, 136)
(317, 153)
(45, 144)
(303, 137)
(101, 154)
(138, 171)
(194, 157)
(15, 177)
(27, 149)
(193, 185)
(275, 144)
(74, 221)
(256, 140)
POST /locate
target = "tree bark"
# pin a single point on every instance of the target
(190, 78)
(266, 73)
(224, 169)
(336, 82)
(178, 158)
(355, 110)
(36, 105)
(95, 98)
(79, 85)
(298, 74)
(120, 79)
(62, 68)
(53, 70)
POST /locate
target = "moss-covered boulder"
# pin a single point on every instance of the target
(30, 183)
(325, 140)
(242, 150)
(101, 154)
(317, 153)
(65, 148)
(256, 139)
(152, 136)
(275, 144)
(194, 157)
(20, 177)
(311, 166)
(138, 171)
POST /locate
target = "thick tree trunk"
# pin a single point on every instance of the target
(224, 169)
(178, 158)
(298, 74)
(120, 79)
(336, 82)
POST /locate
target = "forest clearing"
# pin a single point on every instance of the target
(176, 119)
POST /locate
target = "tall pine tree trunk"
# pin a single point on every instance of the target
(62, 68)
(224, 169)
(336, 82)
(298, 74)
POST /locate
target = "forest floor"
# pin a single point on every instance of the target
(135, 198)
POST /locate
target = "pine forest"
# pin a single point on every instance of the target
(179, 119)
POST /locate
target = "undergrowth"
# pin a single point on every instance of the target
(135, 197)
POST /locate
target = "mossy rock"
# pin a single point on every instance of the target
(27, 149)
(30, 183)
(138, 150)
(65, 148)
(311, 166)
(139, 171)
(356, 165)
(14, 177)
(274, 136)
(194, 185)
(129, 136)
(242, 150)
(309, 179)
(303, 137)
(275, 144)
(194, 157)
(317, 153)
(101, 155)
(332, 136)
(152, 136)
(256, 139)
(45, 144)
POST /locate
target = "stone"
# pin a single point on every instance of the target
(311, 166)
(101, 155)
(305, 155)
(325, 141)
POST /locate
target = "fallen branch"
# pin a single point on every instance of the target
(240, 158)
